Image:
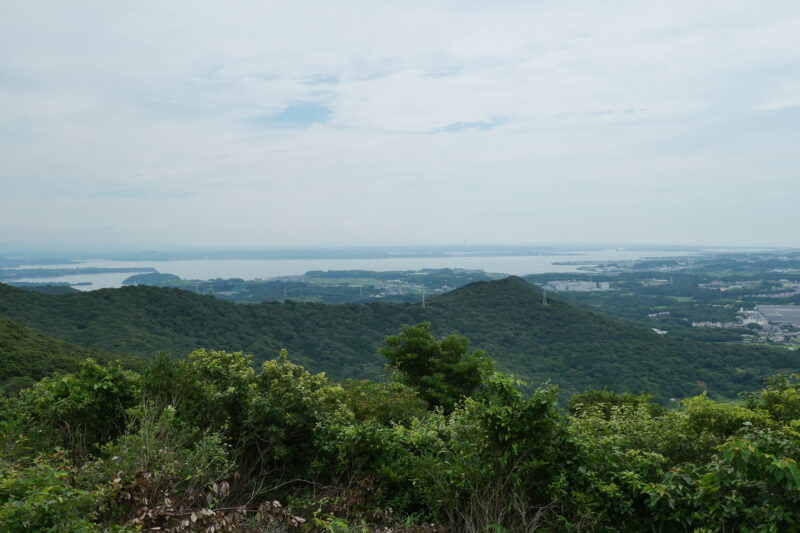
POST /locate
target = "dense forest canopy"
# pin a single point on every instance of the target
(527, 337)
(27, 356)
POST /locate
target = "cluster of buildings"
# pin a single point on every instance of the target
(729, 285)
(655, 282)
(780, 314)
(578, 286)
(788, 288)
(774, 323)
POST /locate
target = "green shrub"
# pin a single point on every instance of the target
(80, 411)
(285, 408)
(510, 460)
(743, 489)
(209, 388)
(780, 398)
(383, 403)
(723, 420)
(42, 497)
(608, 399)
(403, 463)
(161, 465)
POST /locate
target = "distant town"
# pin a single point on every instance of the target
(749, 297)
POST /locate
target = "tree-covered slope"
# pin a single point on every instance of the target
(573, 348)
(50, 289)
(578, 349)
(341, 340)
(27, 355)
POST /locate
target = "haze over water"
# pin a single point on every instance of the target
(270, 268)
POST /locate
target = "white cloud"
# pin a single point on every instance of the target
(446, 119)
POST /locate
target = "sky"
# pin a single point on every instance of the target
(272, 123)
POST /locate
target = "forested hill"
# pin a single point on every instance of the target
(27, 355)
(573, 348)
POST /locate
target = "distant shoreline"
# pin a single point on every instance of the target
(115, 272)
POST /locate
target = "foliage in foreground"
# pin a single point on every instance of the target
(209, 444)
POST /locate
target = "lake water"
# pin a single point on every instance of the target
(270, 268)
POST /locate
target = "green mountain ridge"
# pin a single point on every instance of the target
(573, 348)
(27, 355)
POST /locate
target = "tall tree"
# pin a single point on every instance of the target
(441, 370)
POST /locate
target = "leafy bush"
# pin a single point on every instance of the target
(722, 420)
(508, 460)
(210, 388)
(780, 398)
(286, 406)
(80, 411)
(742, 489)
(401, 463)
(384, 403)
(609, 399)
(160, 470)
(42, 497)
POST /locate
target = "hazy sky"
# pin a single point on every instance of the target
(272, 123)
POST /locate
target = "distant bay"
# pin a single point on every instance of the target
(203, 269)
